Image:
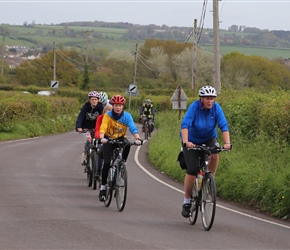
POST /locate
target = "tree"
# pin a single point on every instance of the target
(40, 71)
(240, 71)
(86, 79)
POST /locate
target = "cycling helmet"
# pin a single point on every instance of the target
(118, 99)
(207, 91)
(103, 98)
(94, 94)
(148, 100)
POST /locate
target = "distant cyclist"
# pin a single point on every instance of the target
(199, 127)
(114, 125)
(87, 119)
(147, 113)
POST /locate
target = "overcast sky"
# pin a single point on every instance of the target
(262, 14)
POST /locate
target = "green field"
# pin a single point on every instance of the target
(41, 35)
(270, 53)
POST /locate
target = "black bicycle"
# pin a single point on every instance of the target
(92, 160)
(117, 180)
(203, 195)
(146, 130)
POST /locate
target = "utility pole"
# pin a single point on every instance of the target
(194, 56)
(54, 62)
(134, 75)
(87, 33)
(3, 52)
(135, 65)
(217, 81)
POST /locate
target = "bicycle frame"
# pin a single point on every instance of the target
(117, 176)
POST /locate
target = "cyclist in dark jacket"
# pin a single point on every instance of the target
(199, 127)
(87, 119)
(147, 113)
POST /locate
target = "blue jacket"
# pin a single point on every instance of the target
(201, 123)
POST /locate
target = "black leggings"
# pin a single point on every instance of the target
(107, 151)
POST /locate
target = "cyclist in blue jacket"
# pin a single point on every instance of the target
(114, 125)
(199, 127)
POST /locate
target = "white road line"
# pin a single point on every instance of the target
(180, 191)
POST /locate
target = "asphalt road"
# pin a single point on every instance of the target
(46, 204)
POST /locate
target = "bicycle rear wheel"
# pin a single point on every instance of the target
(194, 205)
(121, 186)
(89, 169)
(109, 189)
(208, 202)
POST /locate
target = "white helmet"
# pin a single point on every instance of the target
(103, 98)
(207, 91)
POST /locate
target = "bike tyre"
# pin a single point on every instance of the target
(89, 170)
(194, 205)
(208, 201)
(121, 186)
(146, 129)
(94, 169)
(109, 189)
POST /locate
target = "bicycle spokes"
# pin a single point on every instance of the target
(208, 201)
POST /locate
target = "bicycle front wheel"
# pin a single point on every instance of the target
(109, 189)
(121, 186)
(146, 131)
(208, 201)
(89, 170)
(194, 205)
(94, 169)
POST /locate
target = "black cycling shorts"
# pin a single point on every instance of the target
(192, 157)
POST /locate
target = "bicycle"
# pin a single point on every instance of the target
(203, 195)
(92, 159)
(117, 179)
(146, 130)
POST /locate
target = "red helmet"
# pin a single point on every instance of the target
(118, 99)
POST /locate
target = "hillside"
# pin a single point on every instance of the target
(123, 36)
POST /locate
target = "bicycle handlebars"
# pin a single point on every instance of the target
(209, 150)
(138, 142)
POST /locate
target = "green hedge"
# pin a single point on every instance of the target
(28, 115)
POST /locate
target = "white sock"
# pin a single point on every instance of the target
(186, 200)
(103, 187)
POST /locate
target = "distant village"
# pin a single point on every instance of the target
(14, 55)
